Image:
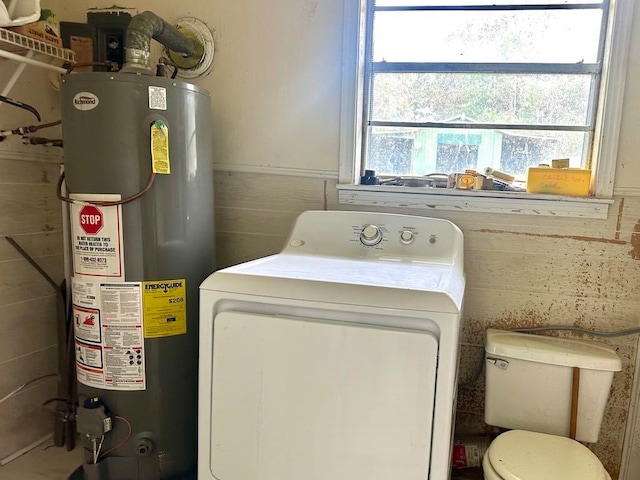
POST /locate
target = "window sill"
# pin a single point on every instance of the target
(473, 201)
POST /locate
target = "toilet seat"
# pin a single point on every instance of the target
(522, 455)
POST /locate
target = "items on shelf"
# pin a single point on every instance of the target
(46, 29)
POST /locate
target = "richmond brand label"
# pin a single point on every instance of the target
(85, 101)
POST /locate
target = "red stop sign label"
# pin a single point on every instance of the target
(91, 220)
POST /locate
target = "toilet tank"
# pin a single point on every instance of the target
(529, 383)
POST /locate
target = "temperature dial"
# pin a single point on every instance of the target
(406, 237)
(370, 235)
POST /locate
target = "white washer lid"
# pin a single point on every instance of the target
(521, 455)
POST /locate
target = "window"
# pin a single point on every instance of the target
(444, 86)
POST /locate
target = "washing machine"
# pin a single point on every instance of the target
(336, 358)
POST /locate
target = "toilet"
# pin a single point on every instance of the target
(543, 389)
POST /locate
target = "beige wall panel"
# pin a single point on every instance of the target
(626, 211)
(27, 327)
(491, 308)
(331, 195)
(22, 171)
(254, 213)
(235, 248)
(23, 420)
(623, 380)
(19, 281)
(254, 221)
(13, 149)
(14, 373)
(28, 209)
(34, 88)
(564, 275)
(271, 192)
(478, 242)
(26, 420)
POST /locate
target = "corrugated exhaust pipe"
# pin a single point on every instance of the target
(142, 28)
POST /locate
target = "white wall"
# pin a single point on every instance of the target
(628, 171)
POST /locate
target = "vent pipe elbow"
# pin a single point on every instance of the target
(142, 28)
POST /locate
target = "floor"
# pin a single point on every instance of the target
(45, 462)
(53, 463)
(467, 474)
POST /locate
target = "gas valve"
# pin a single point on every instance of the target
(93, 423)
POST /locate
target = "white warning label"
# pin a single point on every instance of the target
(157, 98)
(96, 233)
(109, 337)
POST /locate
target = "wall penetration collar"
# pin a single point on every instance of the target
(200, 64)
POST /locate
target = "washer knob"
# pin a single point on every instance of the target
(370, 235)
(406, 237)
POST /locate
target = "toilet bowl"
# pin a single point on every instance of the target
(522, 455)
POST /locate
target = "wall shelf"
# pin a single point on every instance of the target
(21, 48)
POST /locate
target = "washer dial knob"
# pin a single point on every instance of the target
(406, 237)
(370, 235)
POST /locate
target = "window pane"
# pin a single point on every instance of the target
(409, 3)
(481, 98)
(536, 36)
(421, 151)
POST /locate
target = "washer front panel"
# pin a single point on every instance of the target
(296, 398)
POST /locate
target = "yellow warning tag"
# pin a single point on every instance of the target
(160, 148)
(165, 308)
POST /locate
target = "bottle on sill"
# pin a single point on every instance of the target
(369, 178)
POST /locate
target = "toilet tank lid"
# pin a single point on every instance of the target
(552, 350)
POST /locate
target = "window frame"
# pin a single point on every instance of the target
(605, 141)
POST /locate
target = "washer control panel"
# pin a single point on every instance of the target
(371, 235)
(358, 234)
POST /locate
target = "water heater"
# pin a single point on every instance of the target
(139, 184)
